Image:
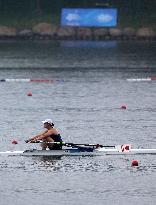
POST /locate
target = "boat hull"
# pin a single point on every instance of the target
(75, 152)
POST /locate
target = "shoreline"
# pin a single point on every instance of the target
(53, 38)
(49, 38)
(46, 31)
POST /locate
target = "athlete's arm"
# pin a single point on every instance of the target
(36, 137)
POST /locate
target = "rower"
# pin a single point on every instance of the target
(49, 136)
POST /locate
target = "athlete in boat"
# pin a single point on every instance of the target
(50, 135)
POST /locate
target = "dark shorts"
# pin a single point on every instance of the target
(55, 147)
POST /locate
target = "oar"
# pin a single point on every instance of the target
(72, 144)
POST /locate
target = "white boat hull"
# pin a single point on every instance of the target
(75, 152)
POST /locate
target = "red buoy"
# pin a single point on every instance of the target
(14, 142)
(124, 107)
(29, 94)
(135, 163)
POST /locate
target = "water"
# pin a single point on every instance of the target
(84, 101)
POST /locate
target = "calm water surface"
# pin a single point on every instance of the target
(89, 86)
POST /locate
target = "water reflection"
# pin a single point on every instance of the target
(47, 162)
(88, 44)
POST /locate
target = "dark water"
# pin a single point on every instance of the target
(84, 101)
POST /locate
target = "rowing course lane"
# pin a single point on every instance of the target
(85, 106)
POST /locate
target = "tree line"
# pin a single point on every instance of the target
(48, 6)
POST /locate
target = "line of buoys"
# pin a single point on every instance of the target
(27, 80)
(141, 79)
(41, 80)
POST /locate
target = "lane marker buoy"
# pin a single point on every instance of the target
(29, 94)
(14, 142)
(134, 163)
(124, 107)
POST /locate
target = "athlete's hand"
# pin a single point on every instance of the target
(27, 141)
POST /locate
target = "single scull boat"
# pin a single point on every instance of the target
(83, 151)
